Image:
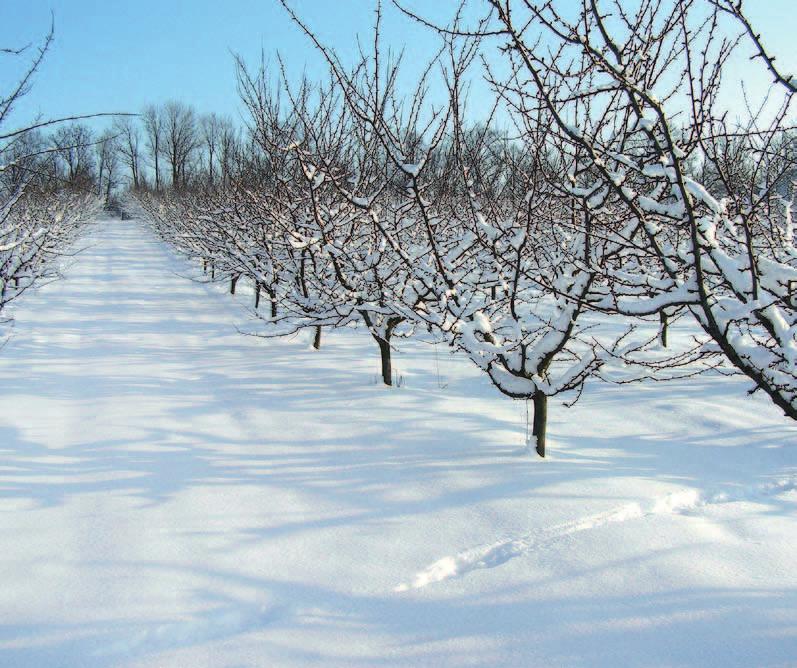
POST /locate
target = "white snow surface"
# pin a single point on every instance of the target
(175, 494)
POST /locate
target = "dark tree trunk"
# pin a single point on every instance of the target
(272, 295)
(316, 338)
(664, 321)
(210, 167)
(387, 368)
(384, 343)
(234, 282)
(257, 295)
(540, 423)
(204, 265)
(212, 271)
(156, 151)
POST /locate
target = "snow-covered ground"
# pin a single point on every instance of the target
(175, 494)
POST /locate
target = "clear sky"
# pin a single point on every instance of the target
(115, 55)
(118, 55)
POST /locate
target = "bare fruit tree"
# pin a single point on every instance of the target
(39, 217)
(635, 87)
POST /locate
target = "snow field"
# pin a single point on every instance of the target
(175, 494)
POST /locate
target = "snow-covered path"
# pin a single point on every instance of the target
(175, 494)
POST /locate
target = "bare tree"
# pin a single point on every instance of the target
(612, 87)
(73, 144)
(107, 151)
(496, 268)
(180, 140)
(229, 151)
(211, 129)
(129, 147)
(37, 216)
(154, 128)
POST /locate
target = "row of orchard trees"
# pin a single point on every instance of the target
(619, 192)
(43, 200)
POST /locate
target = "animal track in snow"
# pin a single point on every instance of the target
(495, 554)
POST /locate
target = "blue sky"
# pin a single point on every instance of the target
(117, 56)
(113, 55)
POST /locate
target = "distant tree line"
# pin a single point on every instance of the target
(169, 146)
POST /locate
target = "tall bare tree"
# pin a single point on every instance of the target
(153, 121)
(73, 144)
(107, 156)
(180, 139)
(129, 146)
(210, 130)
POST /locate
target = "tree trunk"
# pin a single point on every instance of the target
(387, 368)
(257, 294)
(316, 338)
(383, 341)
(204, 265)
(272, 295)
(540, 423)
(212, 271)
(234, 282)
(664, 321)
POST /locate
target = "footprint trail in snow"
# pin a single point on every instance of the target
(495, 554)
